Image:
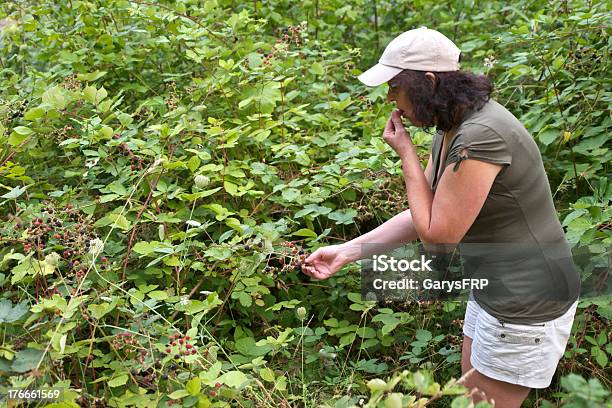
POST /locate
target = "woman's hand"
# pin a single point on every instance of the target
(395, 134)
(325, 262)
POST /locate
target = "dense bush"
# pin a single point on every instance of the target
(166, 166)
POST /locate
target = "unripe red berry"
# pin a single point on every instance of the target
(218, 385)
(168, 351)
(187, 338)
(174, 343)
(181, 341)
(189, 346)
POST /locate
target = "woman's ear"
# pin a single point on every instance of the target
(432, 78)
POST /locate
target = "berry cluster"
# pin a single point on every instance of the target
(74, 236)
(145, 378)
(62, 133)
(92, 402)
(135, 160)
(289, 258)
(180, 346)
(52, 232)
(213, 392)
(366, 101)
(125, 340)
(71, 83)
(291, 34)
(19, 111)
(391, 199)
(294, 34)
(173, 99)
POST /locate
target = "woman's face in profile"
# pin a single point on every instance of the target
(401, 101)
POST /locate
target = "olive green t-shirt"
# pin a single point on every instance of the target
(516, 241)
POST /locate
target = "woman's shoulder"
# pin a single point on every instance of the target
(497, 119)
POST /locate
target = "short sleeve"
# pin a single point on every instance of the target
(478, 142)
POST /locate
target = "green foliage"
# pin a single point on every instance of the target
(163, 165)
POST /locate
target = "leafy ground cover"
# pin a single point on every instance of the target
(166, 166)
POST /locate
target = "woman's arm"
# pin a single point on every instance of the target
(394, 233)
(399, 230)
(460, 195)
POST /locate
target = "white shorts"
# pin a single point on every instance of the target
(520, 354)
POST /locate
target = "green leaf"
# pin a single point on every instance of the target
(245, 299)
(93, 95)
(345, 216)
(55, 97)
(26, 360)
(16, 139)
(9, 314)
(233, 379)
(265, 96)
(290, 194)
(267, 374)
(194, 386)
(547, 136)
(98, 311)
(231, 188)
(15, 192)
(305, 232)
(144, 248)
(23, 130)
(92, 76)
(118, 220)
(316, 69)
(179, 394)
(600, 356)
(106, 132)
(423, 335)
(117, 188)
(158, 295)
(33, 114)
(118, 381)
(246, 346)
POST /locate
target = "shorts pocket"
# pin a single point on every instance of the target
(510, 348)
(520, 336)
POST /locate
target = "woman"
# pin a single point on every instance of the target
(484, 185)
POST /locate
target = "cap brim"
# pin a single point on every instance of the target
(378, 74)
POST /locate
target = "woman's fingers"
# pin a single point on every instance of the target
(308, 269)
(389, 128)
(314, 256)
(312, 272)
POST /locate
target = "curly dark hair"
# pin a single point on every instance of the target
(444, 104)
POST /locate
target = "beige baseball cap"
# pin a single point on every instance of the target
(421, 49)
